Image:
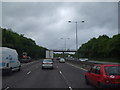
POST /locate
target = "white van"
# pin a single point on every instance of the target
(9, 60)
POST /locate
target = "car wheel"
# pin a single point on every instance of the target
(19, 68)
(42, 68)
(86, 80)
(52, 68)
(10, 71)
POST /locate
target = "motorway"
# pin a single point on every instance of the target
(31, 75)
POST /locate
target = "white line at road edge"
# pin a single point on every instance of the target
(29, 72)
(7, 88)
(70, 88)
(23, 64)
(66, 81)
(77, 67)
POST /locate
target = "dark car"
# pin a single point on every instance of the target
(104, 76)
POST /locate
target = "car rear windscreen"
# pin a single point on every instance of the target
(47, 60)
(112, 70)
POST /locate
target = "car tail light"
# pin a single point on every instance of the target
(108, 79)
(105, 77)
(24, 56)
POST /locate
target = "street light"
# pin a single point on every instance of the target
(76, 31)
(65, 41)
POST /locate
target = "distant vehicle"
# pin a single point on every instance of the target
(47, 63)
(58, 58)
(104, 76)
(83, 59)
(9, 60)
(62, 60)
(25, 58)
(49, 54)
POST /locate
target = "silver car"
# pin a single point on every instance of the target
(62, 60)
(47, 63)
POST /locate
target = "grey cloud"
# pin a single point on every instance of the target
(47, 22)
(102, 14)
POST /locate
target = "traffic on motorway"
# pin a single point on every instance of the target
(99, 75)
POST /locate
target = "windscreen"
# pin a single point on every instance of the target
(47, 60)
(112, 70)
(62, 59)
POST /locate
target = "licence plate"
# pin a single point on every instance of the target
(48, 64)
(117, 80)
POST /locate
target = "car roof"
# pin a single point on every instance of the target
(107, 65)
(47, 59)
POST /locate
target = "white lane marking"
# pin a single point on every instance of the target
(7, 88)
(66, 81)
(29, 72)
(57, 66)
(60, 72)
(83, 69)
(70, 87)
(29, 63)
(77, 67)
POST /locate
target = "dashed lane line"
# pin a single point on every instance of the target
(6, 88)
(60, 72)
(66, 81)
(29, 72)
(70, 88)
(23, 64)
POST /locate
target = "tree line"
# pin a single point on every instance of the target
(21, 44)
(101, 47)
(63, 55)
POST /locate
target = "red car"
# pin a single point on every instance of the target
(104, 76)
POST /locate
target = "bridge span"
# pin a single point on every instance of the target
(63, 50)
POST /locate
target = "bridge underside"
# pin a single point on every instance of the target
(64, 51)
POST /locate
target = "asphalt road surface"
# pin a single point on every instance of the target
(31, 75)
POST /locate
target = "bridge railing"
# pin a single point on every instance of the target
(63, 49)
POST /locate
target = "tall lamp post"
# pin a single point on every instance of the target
(76, 22)
(65, 45)
(65, 41)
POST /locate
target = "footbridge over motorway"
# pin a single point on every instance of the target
(63, 50)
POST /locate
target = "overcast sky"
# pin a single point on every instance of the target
(47, 22)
